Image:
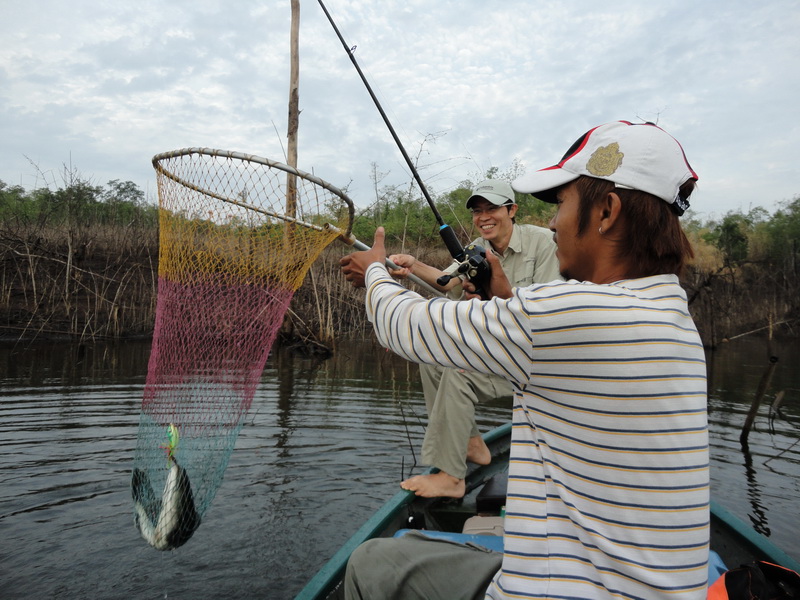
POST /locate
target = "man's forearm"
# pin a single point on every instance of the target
(450, 334)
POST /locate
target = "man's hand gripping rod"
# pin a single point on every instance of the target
(350, 240)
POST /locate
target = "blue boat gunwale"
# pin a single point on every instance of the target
(758, 542)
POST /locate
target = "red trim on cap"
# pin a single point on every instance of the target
(577, 150)
(686, 160)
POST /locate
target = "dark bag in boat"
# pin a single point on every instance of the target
(492, 497)
(758, 580)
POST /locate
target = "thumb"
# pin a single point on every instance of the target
(380, 235)
(492, 259)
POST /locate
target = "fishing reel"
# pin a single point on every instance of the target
(474, 267)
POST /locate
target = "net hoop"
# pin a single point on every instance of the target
(253, 158)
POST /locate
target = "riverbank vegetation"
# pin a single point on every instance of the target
(81, 261)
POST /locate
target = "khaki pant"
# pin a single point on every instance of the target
(450, 397)
(414, 567)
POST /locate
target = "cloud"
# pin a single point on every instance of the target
(466, 84)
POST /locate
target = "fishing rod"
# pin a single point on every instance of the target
(472, 259)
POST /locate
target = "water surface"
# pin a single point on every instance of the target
(323, 446)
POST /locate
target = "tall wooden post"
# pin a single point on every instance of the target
(294, 124)
(294, 108)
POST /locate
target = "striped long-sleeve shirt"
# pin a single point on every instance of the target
(608, 474)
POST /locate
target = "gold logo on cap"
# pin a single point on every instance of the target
(605, 160)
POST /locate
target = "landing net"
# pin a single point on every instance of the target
(237, 235)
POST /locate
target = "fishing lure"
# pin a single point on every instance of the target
(172, 441)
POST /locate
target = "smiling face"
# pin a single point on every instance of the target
(494, 223)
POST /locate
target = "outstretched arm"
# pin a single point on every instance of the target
(488, 337)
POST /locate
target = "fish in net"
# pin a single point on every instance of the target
(237, 235)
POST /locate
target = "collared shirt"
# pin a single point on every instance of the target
(529, 258)
(608, 473)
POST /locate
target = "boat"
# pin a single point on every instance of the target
(478, 518)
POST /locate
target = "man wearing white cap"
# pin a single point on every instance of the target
(527, 255)
(608, 476)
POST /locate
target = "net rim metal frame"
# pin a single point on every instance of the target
(253, 158)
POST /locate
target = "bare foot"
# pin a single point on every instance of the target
(478, 452)
(436, 485)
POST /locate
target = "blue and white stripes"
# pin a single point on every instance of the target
(608, 482)
(485, 337)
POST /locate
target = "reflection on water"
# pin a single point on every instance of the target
(760, 483)
(324, 444)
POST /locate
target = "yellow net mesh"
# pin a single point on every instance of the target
(223, 212)
(237, 235)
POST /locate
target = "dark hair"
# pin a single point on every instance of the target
(514, 218)
(653, 241)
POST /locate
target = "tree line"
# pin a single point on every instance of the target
(81, 260)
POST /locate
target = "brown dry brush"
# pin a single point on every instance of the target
(326, 308)
(100, 281)
(82, 282)
(740, 299)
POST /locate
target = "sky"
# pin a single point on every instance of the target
(98, 88)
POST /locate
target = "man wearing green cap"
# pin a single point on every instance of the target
(527, 255)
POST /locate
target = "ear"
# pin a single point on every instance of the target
(512, 210)
(610, 211)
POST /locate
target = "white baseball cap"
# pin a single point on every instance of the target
(637, 156)
(496, 191)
